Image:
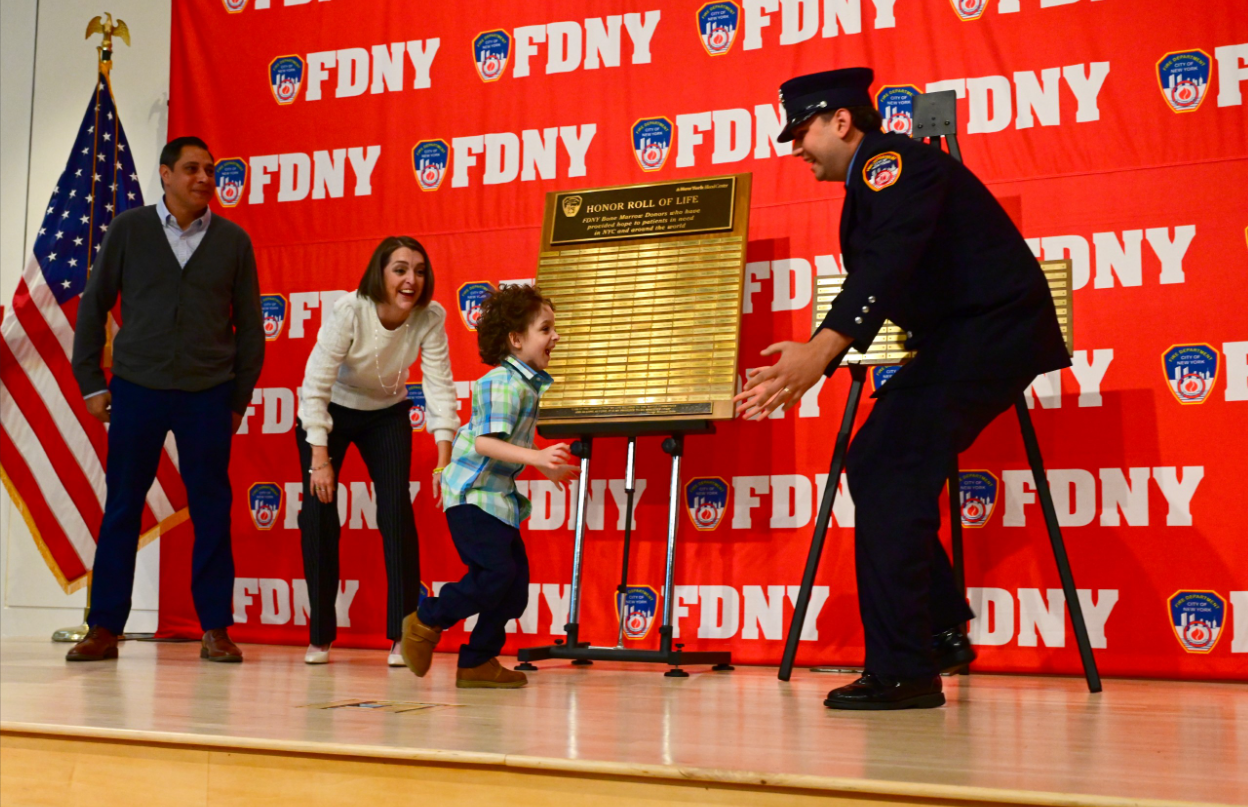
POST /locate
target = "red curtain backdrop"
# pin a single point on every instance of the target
(1114, 134)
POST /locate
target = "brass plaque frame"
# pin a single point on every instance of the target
(889, 346)
(650, 326)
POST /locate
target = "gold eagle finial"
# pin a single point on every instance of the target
(109, 29)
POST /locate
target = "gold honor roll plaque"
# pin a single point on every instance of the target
(646, 282)
(889, 346)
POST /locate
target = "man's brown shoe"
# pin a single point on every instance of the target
(417, 644)
(99, 644)
(490, 675)
(218, 647)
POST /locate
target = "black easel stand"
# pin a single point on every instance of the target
(858, 375)
(580, 652)
(934, 119)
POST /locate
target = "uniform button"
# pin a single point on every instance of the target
(858, 320)
(865, 309)
(870, 299)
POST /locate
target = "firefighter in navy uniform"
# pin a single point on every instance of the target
(928, 247)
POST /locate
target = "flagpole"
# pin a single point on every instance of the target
(104, 51)
(78, 632)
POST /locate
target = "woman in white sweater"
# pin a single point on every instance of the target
(355, 391)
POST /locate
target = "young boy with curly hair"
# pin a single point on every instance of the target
(516, 333)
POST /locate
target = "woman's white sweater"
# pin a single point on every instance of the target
(356, 359)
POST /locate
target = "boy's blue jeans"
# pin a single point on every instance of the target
(496, 587)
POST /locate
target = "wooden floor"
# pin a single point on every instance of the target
(1001, 739)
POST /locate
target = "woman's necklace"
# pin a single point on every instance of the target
(398, 378)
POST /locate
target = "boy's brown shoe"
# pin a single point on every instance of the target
(217, 646)
(418, 643)
(490, 675)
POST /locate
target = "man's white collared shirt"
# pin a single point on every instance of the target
(182, 242)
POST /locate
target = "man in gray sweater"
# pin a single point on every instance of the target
(186, 358)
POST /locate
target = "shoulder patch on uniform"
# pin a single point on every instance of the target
(882, 170)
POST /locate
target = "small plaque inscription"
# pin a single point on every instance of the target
(644, 211)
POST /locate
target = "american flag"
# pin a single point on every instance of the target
(52, 452)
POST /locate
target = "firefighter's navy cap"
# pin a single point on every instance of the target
(806, 96)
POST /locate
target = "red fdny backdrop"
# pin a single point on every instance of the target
(1115, 138)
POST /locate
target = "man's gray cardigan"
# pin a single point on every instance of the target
(186, 328)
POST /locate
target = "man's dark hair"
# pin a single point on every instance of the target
(509, 310)
(173, 149)
(865, 118)
(373, 282)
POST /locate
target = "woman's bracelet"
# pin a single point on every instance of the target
(439, 470)
(316, 468)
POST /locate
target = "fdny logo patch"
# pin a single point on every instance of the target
(880, 374)
(1197, 617)
(1191, 371)
(717, 26)
(977, 496)
(882, 170)
(424, 592)
(471, 296)
(273, 311)
(637, 606)
(265, 501)
(968, 10)
(896, 106)
(490, 52)
(571, 205)
(231, 181)
(429, 160)
(706, 500)
(234, 6)
(652, 140)
(416, 394)
(285, 78)
(1184, 79)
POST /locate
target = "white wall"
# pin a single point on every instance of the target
(46, 80)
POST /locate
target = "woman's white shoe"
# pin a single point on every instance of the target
(316, 655)
(395, 659)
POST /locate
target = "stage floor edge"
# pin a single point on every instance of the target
(162, 726)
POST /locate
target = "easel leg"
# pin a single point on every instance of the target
(629, 486)
(583, 448)
(1059, 547)
(674, 445)
(955, 533)
(858, 374)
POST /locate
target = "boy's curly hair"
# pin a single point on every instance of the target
(509, 310)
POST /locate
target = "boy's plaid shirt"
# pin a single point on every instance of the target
(504, 405)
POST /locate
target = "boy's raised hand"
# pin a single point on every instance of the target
(562, 474)
(552, 457)
(554, 463)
